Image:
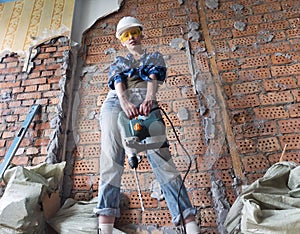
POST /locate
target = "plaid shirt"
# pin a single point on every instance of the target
(122, 68)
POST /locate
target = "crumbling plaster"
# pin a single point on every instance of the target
(86, 13)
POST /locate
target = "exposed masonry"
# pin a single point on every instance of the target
(230, 29)
(208, 108)
(58, 122)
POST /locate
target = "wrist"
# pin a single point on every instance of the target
(150, 97)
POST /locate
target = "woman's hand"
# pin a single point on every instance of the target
(146, 107)
(129, 108)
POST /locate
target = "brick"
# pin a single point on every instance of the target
(276, 97)
(291, 125)
(47, 73)
(296, 94)
(294, 110)
(279, 58)
(2, 143)
(18, 90)
(11, 78)
(41, 142)
(33, 95)
(13, 70)
(54, 66)
(260, 129)
(287, 156)
(11, 118)
(261, 61)
(266, 8)
(64, 48)
(168, 6)
(19, 160)
(160, 15)
(201, 198)
(275, 25)
(191, 104)
(148, 201)
(292, 141)
(52, 80)
(13, 104)
(40, 67)
(2, 152)
(103, 40)
(89, 138)
(198, 180)
(245, 88)
(275, 112)
(90, 166)
(44, 87)
(243, 41)
(31, 88)
(280, 84)
(246, 146)
(226, 176)
(161, 217)
(255, 19)
(49, 94)
(227, 65)
(32, 150)
(30, 82)
(250, 30)
(6, 135)
(256, 74)
(244, 101)
(50, 49)
(280, 47)
(208, 217)
(293, 33)
(9, 84)
(82, 182)
(269, 144)
(129, 217)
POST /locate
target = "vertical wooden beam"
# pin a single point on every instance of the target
(236, 162)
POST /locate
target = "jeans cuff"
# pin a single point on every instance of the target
(107, 212)
(186, 213)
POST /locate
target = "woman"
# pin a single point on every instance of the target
(133, 81)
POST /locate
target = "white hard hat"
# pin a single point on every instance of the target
(127, 22)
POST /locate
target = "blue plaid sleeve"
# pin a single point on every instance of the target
(155, 64)
(117, 70)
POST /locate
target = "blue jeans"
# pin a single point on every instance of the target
(112, 164)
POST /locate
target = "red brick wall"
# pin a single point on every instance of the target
(44, 84)
(252, 74)
(245, 111)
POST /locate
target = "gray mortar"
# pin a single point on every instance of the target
(239, 25)
(212, 4)
(237, 8)
(56, 143)
(221, 204)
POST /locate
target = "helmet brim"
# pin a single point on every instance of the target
(123, 29)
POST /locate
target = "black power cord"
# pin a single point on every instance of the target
(188, 169)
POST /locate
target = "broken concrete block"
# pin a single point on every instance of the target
(212, 4)
(239, 25)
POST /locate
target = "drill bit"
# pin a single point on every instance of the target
(139, 189)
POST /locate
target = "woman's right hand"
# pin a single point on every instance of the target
(129, 108)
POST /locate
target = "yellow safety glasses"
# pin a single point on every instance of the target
(134, 32)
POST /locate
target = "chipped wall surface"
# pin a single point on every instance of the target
(86, 13)
(232, 94)
(25, 23)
